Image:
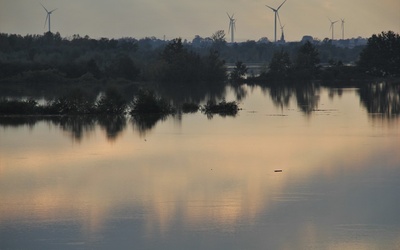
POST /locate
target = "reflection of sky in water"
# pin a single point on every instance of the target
(208, 184)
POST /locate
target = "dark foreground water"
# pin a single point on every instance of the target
(195, 182)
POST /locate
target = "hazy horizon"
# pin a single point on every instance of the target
(178, 18)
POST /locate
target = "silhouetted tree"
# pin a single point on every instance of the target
(280, 66)
(178, 64)
(307, 59)
(112, 102)
(239, 71)
(91, 67)
(147, 102)
(218, 39)
(382, 55)
(124, 67)
(214, 68)
(75, 102)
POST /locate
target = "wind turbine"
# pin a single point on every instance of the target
(276, 13)
(282, 26)
(342, 29)
(232, 26)
(332, 26)
(48, 16)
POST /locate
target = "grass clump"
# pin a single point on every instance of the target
(222, 108)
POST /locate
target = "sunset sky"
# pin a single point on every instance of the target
(185, 19)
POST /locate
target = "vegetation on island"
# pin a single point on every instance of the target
(222, 108)
(381, 56)
(144, 104)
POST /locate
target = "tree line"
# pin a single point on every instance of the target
(379, 58)
(40, 60)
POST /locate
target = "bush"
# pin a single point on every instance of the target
(15, 107)
(381, 56)
(112, 102)
(73, 103)
(190, 107)
(222, 108)
(146, 102)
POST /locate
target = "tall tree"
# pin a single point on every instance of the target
(219, 39)
(280, 65)
(239, 71)
(307, 59)
(381, 56)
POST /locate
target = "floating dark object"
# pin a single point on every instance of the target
(278, 170)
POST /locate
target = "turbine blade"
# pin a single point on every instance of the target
(271, 8)
(47, 16)
(228, 15)
(52, 11)
(44, 8)
(281, 5)
(279, 19)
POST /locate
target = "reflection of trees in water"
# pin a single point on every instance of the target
(307, 96)
(382, 98)
(180, 94)
(332, 92)
(240, 91)
(114, 125)
(76, 126)
(144, 123)
(18, 121)
(281, 96)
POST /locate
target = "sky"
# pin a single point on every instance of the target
(188, 18)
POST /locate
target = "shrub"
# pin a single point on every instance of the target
(112, 102)
(75, 102)
(16, 107)
(190, 107)
(222, 108)
(146, 102)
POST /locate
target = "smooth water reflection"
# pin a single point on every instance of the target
(187, 182)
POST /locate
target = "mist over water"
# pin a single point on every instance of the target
(191, 181)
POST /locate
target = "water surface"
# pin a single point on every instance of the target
(196, 182)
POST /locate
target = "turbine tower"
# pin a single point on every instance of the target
(342, 29)
(332, 26)
(47, 16)
(276, 14)
(232, 27)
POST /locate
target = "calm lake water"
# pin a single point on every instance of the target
(197, 182)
